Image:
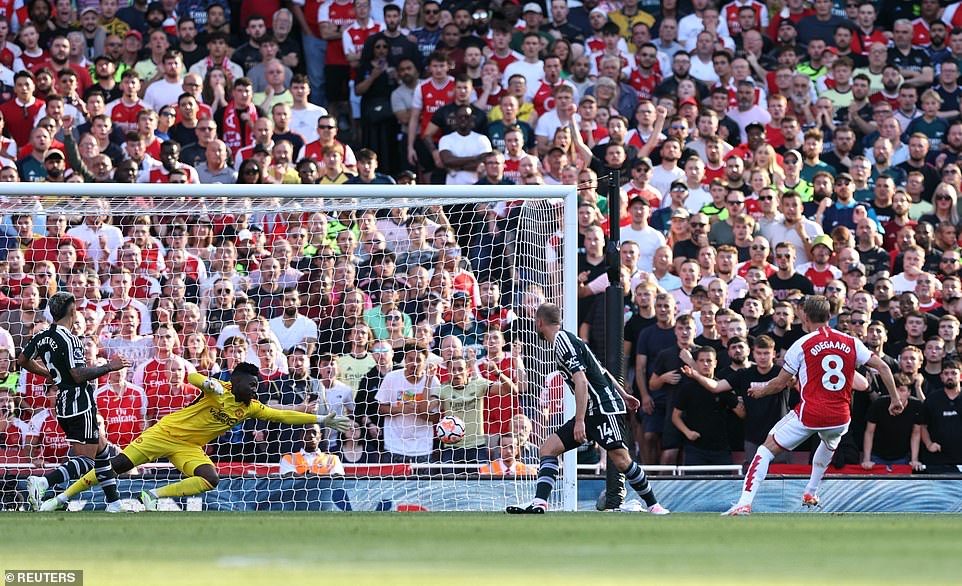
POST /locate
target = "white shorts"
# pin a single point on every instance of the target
(789, 433)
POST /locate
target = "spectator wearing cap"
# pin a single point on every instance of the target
(105, 73)
(55, 164)
(662, 218)
(462, 323)
(854, 277)
(820, 270)
(94, 34)
(842, 211)
(639, 185)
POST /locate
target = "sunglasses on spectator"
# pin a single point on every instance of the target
(949, 260)
(944, 197)
(759, 247)
(393, 317)
(766, 197)
(326, 126)
(858, 322)
(833, 289)
(735, 202)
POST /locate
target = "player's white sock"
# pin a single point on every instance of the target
(757, 471)
(820, 461)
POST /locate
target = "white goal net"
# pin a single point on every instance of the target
(397, 306)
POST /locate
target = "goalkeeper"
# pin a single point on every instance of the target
(180, 436)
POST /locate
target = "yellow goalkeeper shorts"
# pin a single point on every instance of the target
(155, 444)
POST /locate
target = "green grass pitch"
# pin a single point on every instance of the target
(583, 549)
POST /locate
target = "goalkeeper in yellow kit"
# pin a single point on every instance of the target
(180, 437)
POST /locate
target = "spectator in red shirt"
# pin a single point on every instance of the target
(123, 406)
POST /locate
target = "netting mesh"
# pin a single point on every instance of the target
(394, 311)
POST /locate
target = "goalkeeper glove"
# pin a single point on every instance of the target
(213, 386)
(335, 421)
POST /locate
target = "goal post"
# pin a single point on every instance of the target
(519, 239)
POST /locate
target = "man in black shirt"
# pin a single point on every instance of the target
(701, 415)
(942, 424)
(57, 355)
(665, 378)
(783, 333)
(600, 406)
(893, 439)
(786, 278)
(761, 414)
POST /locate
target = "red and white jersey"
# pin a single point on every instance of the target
(862, 41)
(644, 84)
(34, 63)
(920, 32)
(123, 114)
(125, 415)
(15, 11)
(429, 97)
(500, 408)
(151, 376)
(310, 9)
(952, 16)
(10, 55)
(544, 96)
(340, 14)
(354, 36)
(824, 362)
(170, 397)
(508, 59)
(635, 139)
(159, 174)
(53, 441)
(315, 151)
(512, 170)
(819, 278)
(759, 93)
(33, 388)
(111, 322)
(595, 60)
(729, 13)
(596, 44)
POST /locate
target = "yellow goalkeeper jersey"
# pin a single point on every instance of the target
(211, 415)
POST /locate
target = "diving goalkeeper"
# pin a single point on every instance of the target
(180, 437)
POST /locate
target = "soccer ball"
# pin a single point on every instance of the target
(450, 429)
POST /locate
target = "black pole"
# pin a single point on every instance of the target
(615, 295)
(614, 324)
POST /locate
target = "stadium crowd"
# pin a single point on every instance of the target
(767, 152)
